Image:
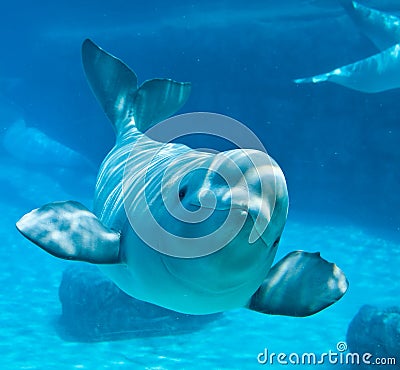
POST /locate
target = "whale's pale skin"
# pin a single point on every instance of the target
(237, 275)
(379, 72)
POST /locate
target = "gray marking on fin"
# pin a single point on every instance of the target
(301, 284)
(70, 231)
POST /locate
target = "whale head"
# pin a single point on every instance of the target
(216, 220)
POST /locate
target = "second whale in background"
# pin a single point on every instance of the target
(379, 72)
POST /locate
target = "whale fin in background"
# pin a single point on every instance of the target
(382, 28)
(379, 72)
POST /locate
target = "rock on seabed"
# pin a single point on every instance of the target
(95, 309)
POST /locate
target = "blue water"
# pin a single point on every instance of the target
(338, 149)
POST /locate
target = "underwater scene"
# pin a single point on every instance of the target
(259, 227)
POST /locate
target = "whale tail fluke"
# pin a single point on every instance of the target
(115, 86)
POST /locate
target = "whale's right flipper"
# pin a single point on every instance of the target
(301, 284)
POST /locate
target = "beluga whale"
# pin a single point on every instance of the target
(376, 73)
(194, 231)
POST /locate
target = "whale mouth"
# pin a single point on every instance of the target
(201, 288)
(228, 271)
(260, 222)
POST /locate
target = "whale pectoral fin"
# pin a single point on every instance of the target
(70, 231)
(301, 284)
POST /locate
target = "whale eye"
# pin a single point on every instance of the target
(182, 192)
(276, 242)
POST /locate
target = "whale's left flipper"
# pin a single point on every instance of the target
(300, 284)
(70, 231)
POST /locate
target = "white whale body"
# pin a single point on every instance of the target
(379, 72)
(147, 231)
